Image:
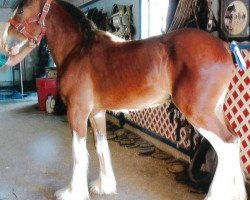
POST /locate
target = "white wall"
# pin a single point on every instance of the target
(107, 6)
(5, 14)
(76, 2)
(153, 17)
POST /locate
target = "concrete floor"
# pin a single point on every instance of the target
(35, 161)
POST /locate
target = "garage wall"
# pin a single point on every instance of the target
(107, 6)
(5, 13)
(77, 2)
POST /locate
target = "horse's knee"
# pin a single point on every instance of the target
(78, 120)
(98, 122)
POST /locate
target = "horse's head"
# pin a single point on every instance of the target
(27, 23)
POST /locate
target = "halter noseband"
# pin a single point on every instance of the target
(39, 18)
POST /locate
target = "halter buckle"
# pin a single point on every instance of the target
(20, 27)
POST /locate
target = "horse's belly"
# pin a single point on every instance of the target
(131, 102)
(142, 105)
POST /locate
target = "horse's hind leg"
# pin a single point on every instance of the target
(228, 182)
(106, 183)
(78, 188)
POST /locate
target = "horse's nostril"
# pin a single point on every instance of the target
(10, 44)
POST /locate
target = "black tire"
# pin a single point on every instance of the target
(196, 175)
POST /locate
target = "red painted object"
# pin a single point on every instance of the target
(45, 87)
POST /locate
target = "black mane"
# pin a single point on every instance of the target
(87, 27)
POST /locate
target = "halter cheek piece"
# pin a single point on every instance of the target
(39, 19)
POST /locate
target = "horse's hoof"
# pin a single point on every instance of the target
(103, 187)
(69, 194)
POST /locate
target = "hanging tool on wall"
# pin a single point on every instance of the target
(209, 15)
(98, 17)
(195, 13)
(121, 21)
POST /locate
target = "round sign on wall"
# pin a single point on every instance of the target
(235, 18)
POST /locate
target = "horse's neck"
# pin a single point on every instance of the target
(62, 34)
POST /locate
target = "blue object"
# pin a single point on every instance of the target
(10, 94)
(238, 57)
(3, 60)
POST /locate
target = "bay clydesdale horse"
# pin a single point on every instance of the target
(97, 72)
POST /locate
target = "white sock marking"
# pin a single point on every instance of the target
(106, 183)
(78, 189)
(228, 182)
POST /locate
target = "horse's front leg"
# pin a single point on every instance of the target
(78, 188)
(105, 183)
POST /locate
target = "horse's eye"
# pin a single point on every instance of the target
(20, 11)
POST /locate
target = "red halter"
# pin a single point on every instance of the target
(39, 18)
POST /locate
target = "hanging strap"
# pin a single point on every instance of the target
(45, 11)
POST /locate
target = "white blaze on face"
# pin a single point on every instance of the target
(7, 40)
(5, 35)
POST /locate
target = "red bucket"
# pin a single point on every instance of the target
(45, 87)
